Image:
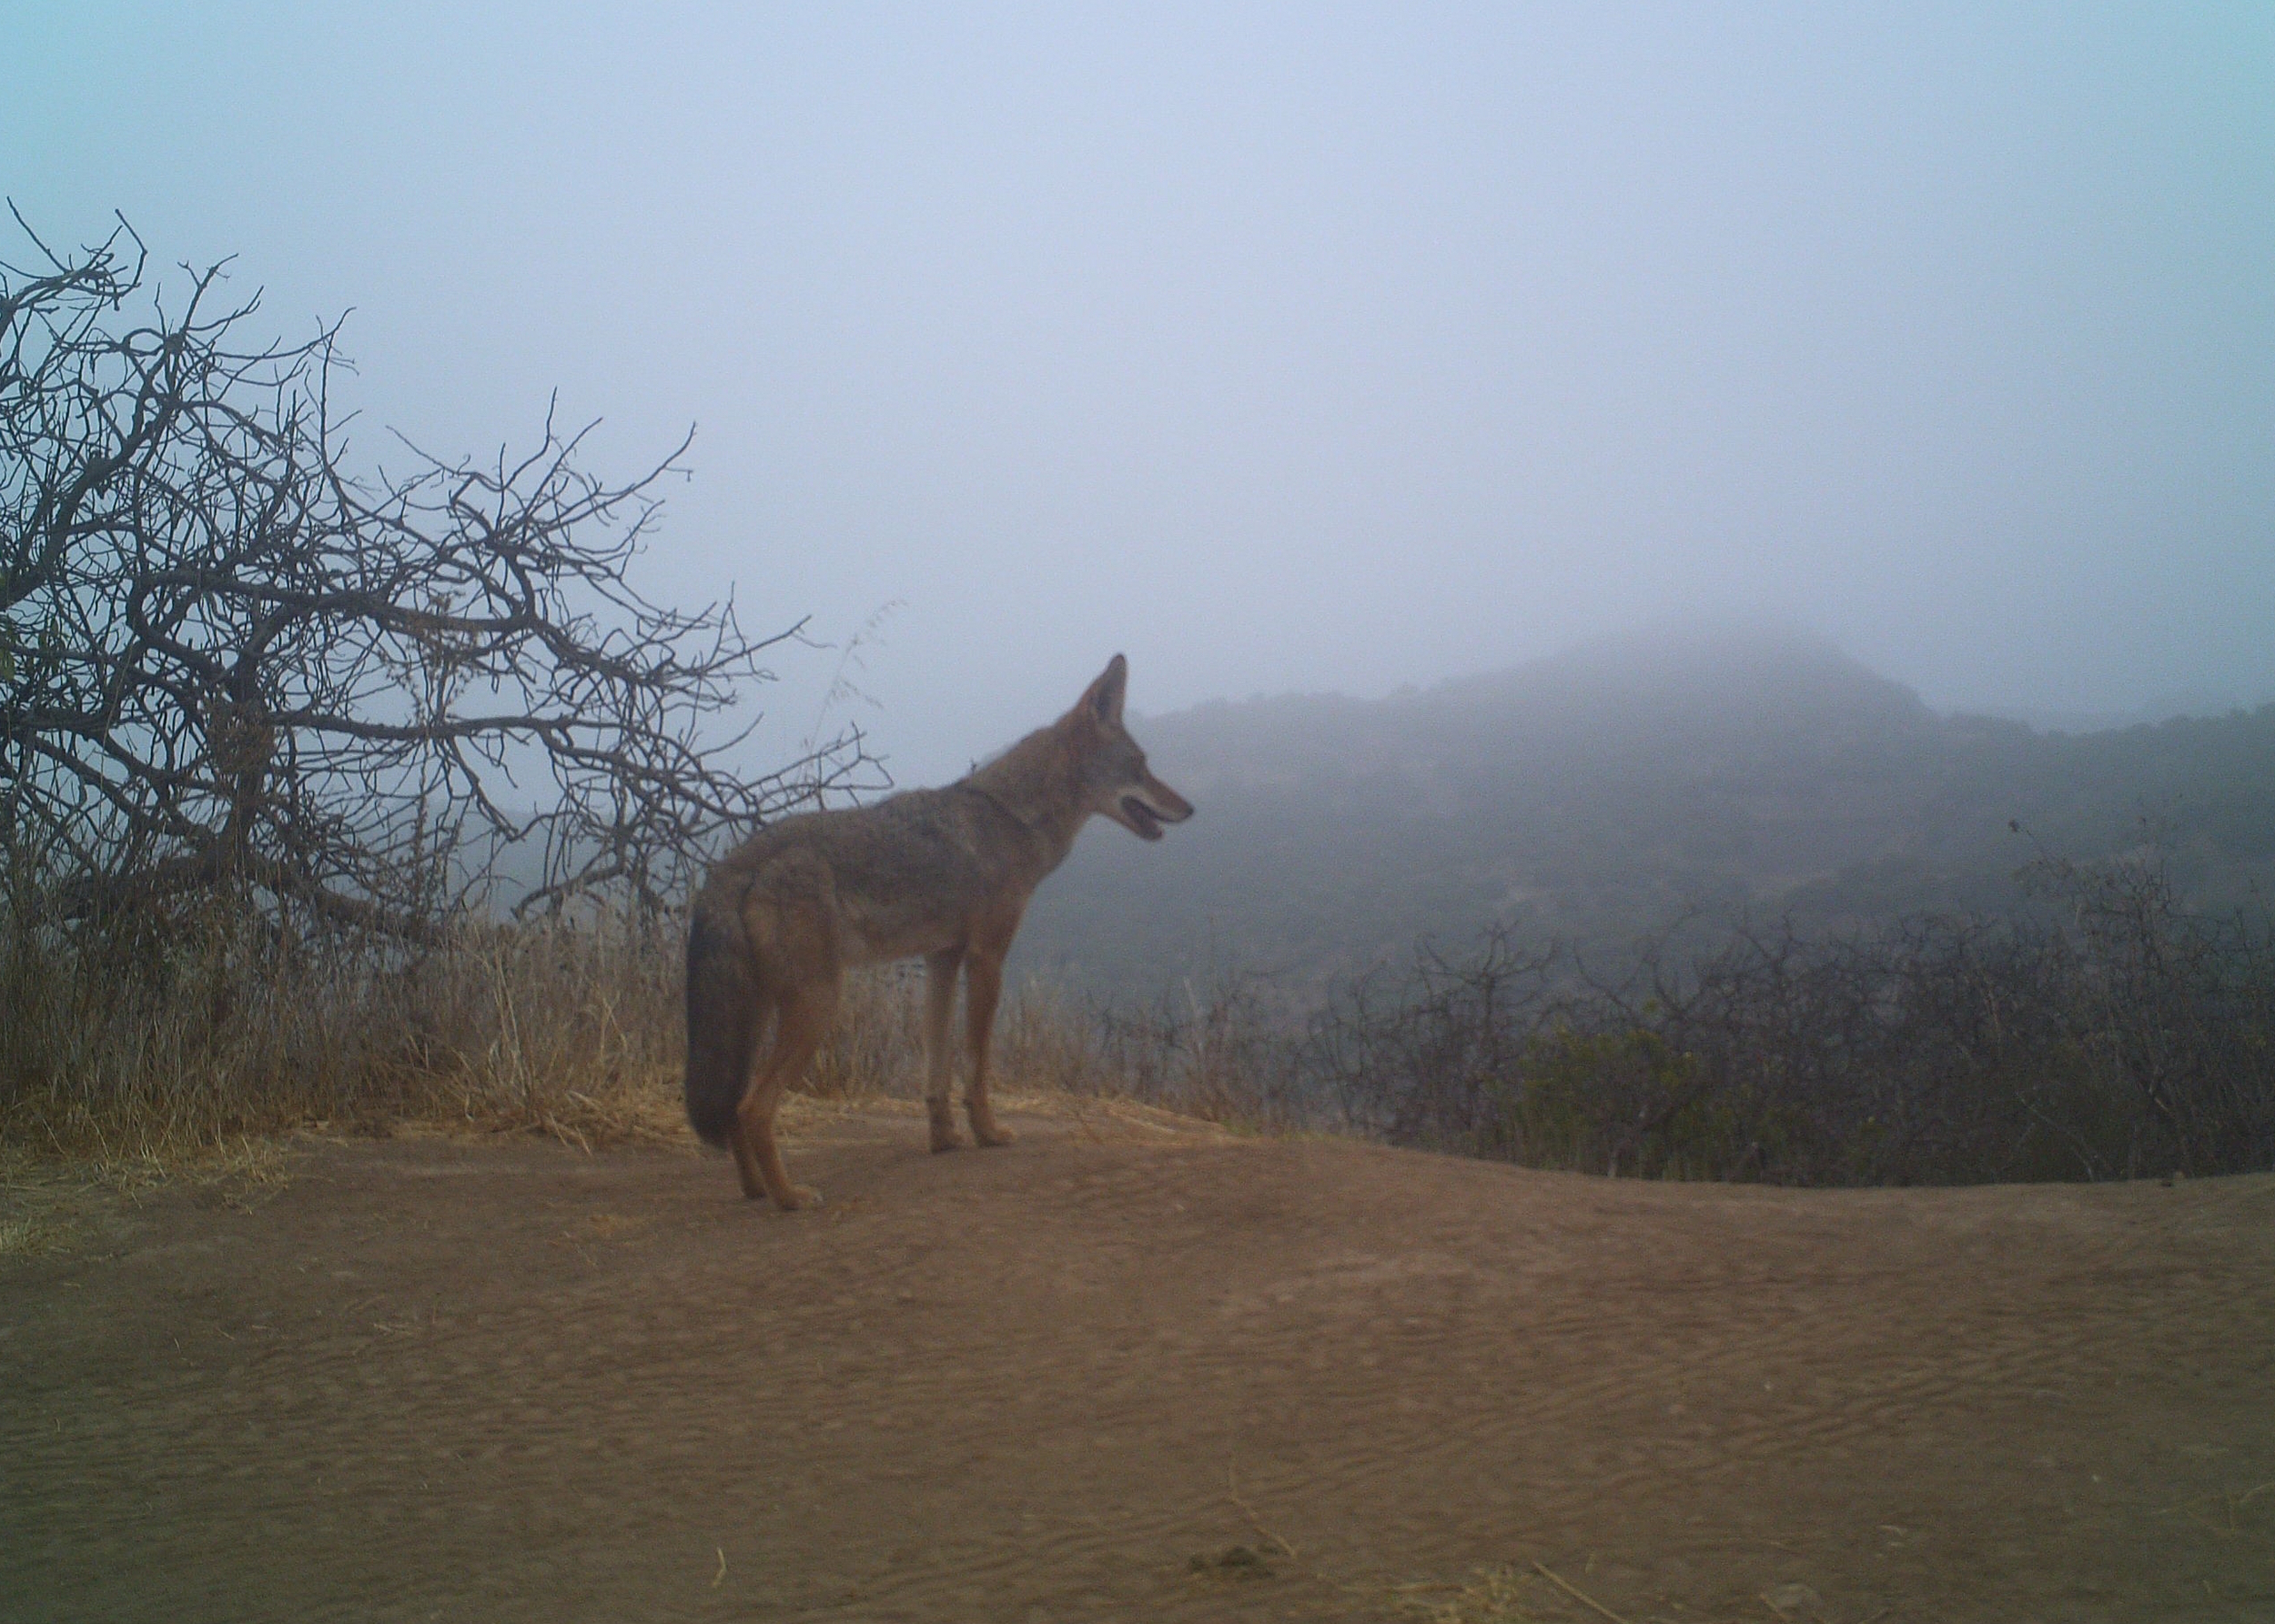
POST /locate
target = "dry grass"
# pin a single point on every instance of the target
(155, 1051)
(50, 1203)
(1505, 1596)
(29, 1226)
(1494, 1595)
(124, 1057)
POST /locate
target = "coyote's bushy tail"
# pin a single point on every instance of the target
(723, 1014)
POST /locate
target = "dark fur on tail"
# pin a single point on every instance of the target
(723, 1017)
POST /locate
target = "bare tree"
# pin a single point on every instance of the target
(235, 665)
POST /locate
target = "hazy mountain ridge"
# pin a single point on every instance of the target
(1599, 793)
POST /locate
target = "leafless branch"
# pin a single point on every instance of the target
(236, 663)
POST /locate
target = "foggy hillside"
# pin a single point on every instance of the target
(1598, 794)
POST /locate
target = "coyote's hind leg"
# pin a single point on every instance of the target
(803, 1021)
(983, 975)
(940, 971)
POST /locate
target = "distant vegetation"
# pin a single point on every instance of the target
(2123, 1037)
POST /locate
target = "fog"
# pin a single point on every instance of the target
(1283, 347)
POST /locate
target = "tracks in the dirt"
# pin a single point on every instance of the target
(434, 1379)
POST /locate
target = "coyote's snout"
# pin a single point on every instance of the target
(945, 873)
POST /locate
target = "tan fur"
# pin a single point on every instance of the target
(943, 874)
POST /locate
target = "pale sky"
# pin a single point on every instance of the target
(1300, 346)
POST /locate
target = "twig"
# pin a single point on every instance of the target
(1232, 1490)
(1576, 1593)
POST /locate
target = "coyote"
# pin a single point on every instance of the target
(942, 873)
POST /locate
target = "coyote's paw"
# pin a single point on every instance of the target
(945, 1139)
(800, 1196)
(991, 1135)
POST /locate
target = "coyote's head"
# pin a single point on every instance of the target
(1112, 776)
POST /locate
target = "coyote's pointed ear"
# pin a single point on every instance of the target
(1102, 700)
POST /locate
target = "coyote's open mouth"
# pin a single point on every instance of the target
(1141, 817)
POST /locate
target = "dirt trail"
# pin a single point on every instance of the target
(436, 1378)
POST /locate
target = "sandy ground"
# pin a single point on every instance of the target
(1132, 1370)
